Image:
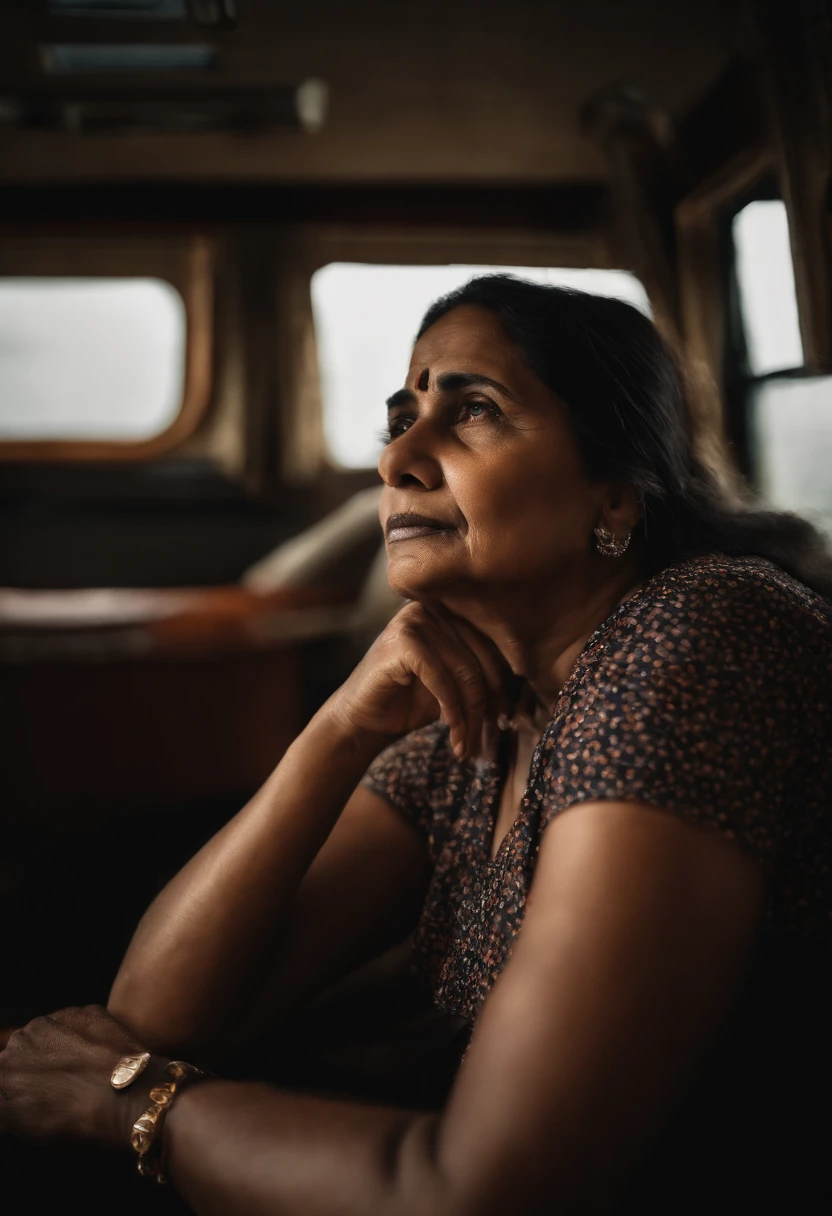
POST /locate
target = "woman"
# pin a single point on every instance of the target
(585, 765)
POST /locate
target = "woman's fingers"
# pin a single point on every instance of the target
(496, 672)
(498, 675)
(474, 674)
(443, 685)
(452, 674)
(454, 667)
(469, 679)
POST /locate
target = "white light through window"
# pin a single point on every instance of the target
(90, 359)
(791, 429)
(765, 277)
(366, 318)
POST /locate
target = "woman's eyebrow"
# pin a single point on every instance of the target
(402, 396)
(450, 382)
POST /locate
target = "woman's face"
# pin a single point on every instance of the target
(483, 450)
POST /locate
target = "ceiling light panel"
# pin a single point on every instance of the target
(153, 10)
(73, 58)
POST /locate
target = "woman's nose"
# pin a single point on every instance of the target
(410, 458)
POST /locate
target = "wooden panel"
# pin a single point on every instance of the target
(114, 700)
(102, 738)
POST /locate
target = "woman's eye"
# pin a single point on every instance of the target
(394, 428)
(473, 410)
(479, 409)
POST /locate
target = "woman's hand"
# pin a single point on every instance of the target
(55, 1079)
(427, 664)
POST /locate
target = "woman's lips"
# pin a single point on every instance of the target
(413, 525)
(413, 531)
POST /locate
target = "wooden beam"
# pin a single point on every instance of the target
(568, 207)
(795, 38)
(636, 139)
(726, 138)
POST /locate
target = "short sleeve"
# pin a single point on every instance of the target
(695, 707)
(414, 775)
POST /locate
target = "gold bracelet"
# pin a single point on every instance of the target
(146, 1137)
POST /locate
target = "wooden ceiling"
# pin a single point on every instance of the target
(434, 91)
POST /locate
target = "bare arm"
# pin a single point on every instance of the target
(281, 900)
(275, 893)
(630, 960)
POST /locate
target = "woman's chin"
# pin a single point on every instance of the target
(414, 580)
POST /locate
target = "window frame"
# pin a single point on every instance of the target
(740, 383)
(185, 262)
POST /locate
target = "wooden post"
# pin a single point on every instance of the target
(636, 139)
(795, 42)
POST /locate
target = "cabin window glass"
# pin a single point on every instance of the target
(765, 279)
(788, 411)
(791, 431)
(90, 359)
(366, 318)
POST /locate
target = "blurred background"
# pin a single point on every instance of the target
(220, 223)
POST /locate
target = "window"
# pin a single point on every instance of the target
(792, 445)
(366, 318)
(90, 358)
(787, 413)
(765, 279)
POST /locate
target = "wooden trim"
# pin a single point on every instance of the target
(560, 208)
(198, 298)
(323, 244)
(726, 186)
(796, 40)
(703, 304)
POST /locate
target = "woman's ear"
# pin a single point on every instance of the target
(620, 509)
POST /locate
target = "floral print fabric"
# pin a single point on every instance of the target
(706, 694)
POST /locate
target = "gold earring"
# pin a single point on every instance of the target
(608, 544)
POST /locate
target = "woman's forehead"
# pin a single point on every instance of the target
(470, 338)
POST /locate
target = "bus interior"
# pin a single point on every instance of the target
(220, 223)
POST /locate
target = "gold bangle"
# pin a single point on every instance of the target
(128, 1069)
(146, 1137)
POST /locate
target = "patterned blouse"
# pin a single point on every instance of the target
(707, 694)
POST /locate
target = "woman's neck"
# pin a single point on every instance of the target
(541, 631)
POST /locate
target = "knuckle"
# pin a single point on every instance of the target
(408, 630)
(469, 676)
(412, 611)
(13, 1042)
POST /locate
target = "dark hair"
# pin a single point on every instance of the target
(627, 401)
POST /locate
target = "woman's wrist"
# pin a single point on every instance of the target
(356, 743)
(142, 1117)
(133, 1101)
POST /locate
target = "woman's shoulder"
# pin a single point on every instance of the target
(727, 605)
(717, 657)
(742, 584)
(707, 694)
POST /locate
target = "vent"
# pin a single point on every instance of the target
(204, 12)
(153, 10)
(300, 107)
(69, 58)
